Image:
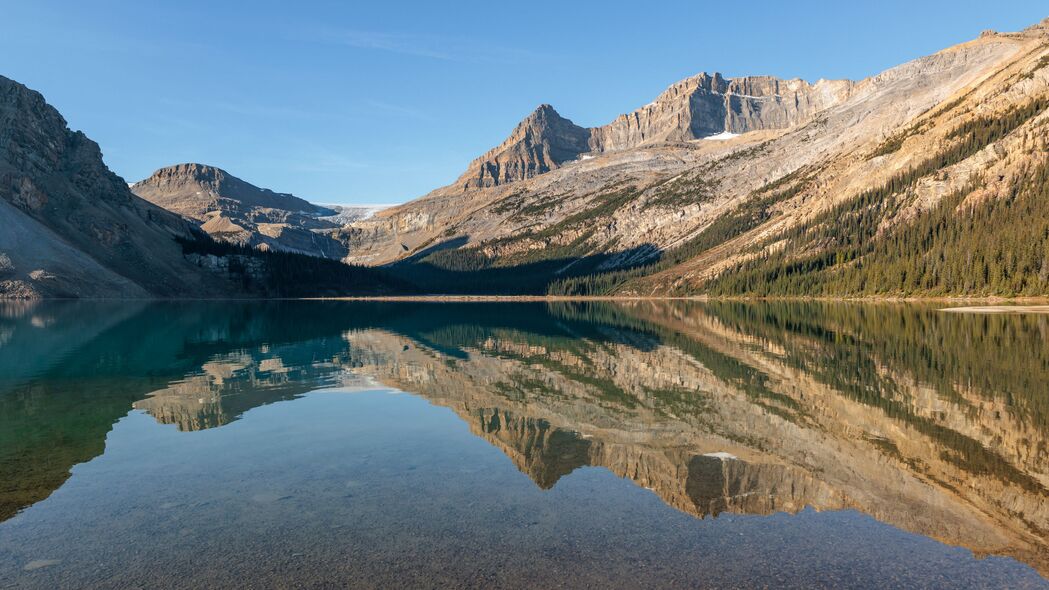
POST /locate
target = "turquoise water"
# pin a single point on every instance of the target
(309, 444)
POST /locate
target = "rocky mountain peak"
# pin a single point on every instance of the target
(200, 174)
(541, 142)
(36, 140)
(193, 189)
(708, 104)
(1040, 28)
(699, 106)
(234, 210)
(544, 110)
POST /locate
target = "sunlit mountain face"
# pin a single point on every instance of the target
(661, 443)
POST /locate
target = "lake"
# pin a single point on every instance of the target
(571, 444)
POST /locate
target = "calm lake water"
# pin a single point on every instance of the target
(320, 444)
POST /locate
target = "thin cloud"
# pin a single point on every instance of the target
(324, 163)
(423, 46)
(393, 43)
(271, 112)
(352, 112)
(252, 109)
(311, 157)
(398, 110)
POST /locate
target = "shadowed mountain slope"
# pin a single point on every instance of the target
(71, 227)
(230, 209)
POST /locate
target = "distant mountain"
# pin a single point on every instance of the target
(70, 227)
(929, 178)
(236, 211)
(193, 190)
(697, 107)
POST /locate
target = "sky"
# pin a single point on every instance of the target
(381, 102)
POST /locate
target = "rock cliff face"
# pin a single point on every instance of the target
(71, 227)
(697, 107)
(709, 105)
(233, 210)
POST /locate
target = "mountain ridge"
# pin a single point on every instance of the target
(233, 210)
(171, 182)
(929, 178)
(696, 107)
(74, 229)
(685, 212)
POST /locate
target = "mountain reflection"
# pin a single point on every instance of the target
(935, 423)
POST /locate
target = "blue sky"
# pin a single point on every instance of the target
(354, 102)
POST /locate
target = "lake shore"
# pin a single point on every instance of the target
(1032, 304)
(999, 309)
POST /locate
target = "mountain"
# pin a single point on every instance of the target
(232, 210)
(930, 178)
(539, 144)
(71, 227)
(709, 105)
(193, 190)
(926, 179)
(701, 106)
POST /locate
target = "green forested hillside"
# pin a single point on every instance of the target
(994, 247)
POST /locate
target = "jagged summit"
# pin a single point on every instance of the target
(1039, 28)
(699, 106)
(709, 104)
(541, 142)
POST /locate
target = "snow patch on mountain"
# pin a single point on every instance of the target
(346, 214)
(724, 135)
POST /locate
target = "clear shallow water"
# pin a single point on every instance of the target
(521, 445)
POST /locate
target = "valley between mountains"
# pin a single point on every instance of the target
(927, 179)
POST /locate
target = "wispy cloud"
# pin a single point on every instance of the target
(311, 157)
(251, 109)
(398, 110)
(326, 163)
(423, 46)
(350, 112)
(394, 43)
(270, 111)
